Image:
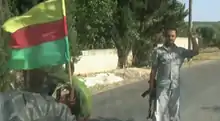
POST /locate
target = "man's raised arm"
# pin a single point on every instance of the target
(187, 53)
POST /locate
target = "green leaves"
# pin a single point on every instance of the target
(210, 35)
(94, 23)
(5, 75)
(153, 17)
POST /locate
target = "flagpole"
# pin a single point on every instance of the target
(69, 63)
(70, 72)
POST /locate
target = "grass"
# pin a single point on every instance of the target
(208, 56)
(205, 55)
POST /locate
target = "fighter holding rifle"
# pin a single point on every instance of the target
(167, 61)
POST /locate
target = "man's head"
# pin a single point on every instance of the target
(170, 36)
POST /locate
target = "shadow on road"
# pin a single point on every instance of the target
(109, 119)
(215, 108)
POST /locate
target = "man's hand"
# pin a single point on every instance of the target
(152, 87)
(195, 45)
(192, 35)
(152, 91)
(152, 77)
(193, 38)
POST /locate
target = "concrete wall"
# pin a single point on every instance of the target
(181, 42)
(97, 61)
(106, 59)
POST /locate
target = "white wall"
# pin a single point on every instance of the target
(97, 61)
(104, 60)
(181, 42)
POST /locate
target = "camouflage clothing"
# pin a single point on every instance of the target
(168, 62)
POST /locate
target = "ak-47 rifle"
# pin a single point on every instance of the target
(147, 92)
(152, 100)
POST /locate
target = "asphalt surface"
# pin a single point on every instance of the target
(200, 97)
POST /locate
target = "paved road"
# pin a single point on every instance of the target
(200, 97)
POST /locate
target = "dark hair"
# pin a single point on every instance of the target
(170, 29)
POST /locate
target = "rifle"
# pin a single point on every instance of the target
(152, 100)
(147, 92)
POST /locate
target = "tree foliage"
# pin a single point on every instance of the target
(210, 35)
(152, 22)
(5, 74)
(93, 23)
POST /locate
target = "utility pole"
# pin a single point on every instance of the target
(190, 24)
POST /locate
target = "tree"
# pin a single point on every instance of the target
(122, 31)
(153, 20)
(93, 23)
(5, 75)
(105, 24)
(208, 35)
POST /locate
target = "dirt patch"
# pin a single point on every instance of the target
(209, 50)
(208, 56)
(130, 75)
